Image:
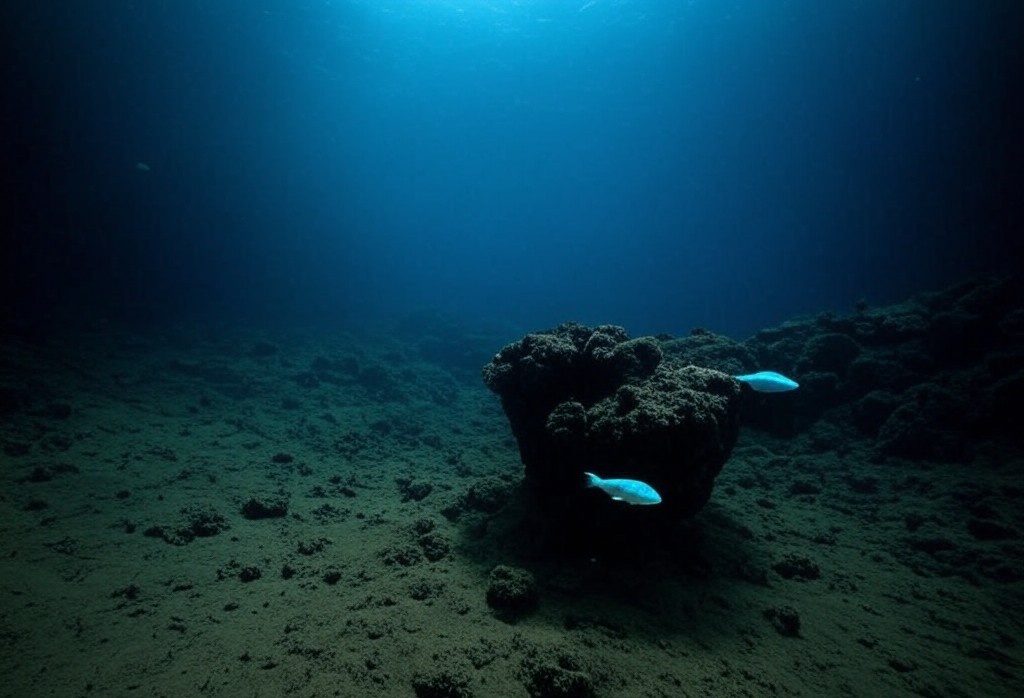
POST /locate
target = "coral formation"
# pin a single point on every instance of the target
(592, 399)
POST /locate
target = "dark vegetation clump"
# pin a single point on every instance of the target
(796, 567)
(442, 682)
(488, 494)
(250, 574)
(785, 620)
(198, 523)
(264, 509)
(412, 490)
(512, 592)
(556, 673)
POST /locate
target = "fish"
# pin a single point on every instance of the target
(768, 382)
(628, 491)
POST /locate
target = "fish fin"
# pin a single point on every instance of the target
(618, 499)
(592, 480)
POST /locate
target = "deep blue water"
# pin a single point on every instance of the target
(659, 164)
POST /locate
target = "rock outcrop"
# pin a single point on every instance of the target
(592, 399)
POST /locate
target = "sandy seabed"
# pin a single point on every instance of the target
(238, 513)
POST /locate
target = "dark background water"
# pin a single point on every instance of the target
(659, 164)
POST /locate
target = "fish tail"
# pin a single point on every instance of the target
(592, 480)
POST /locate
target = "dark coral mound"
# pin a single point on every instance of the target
(933, 378)
(592, 399)
(512, 592)
(929, 378)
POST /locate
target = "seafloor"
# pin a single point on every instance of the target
(193, 511)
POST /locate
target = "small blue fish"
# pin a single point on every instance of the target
(768, 382)
(628, 491)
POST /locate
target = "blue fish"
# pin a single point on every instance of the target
(628, 491)
(768, 382)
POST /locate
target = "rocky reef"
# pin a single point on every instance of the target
(934, 378)
(592, 399)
